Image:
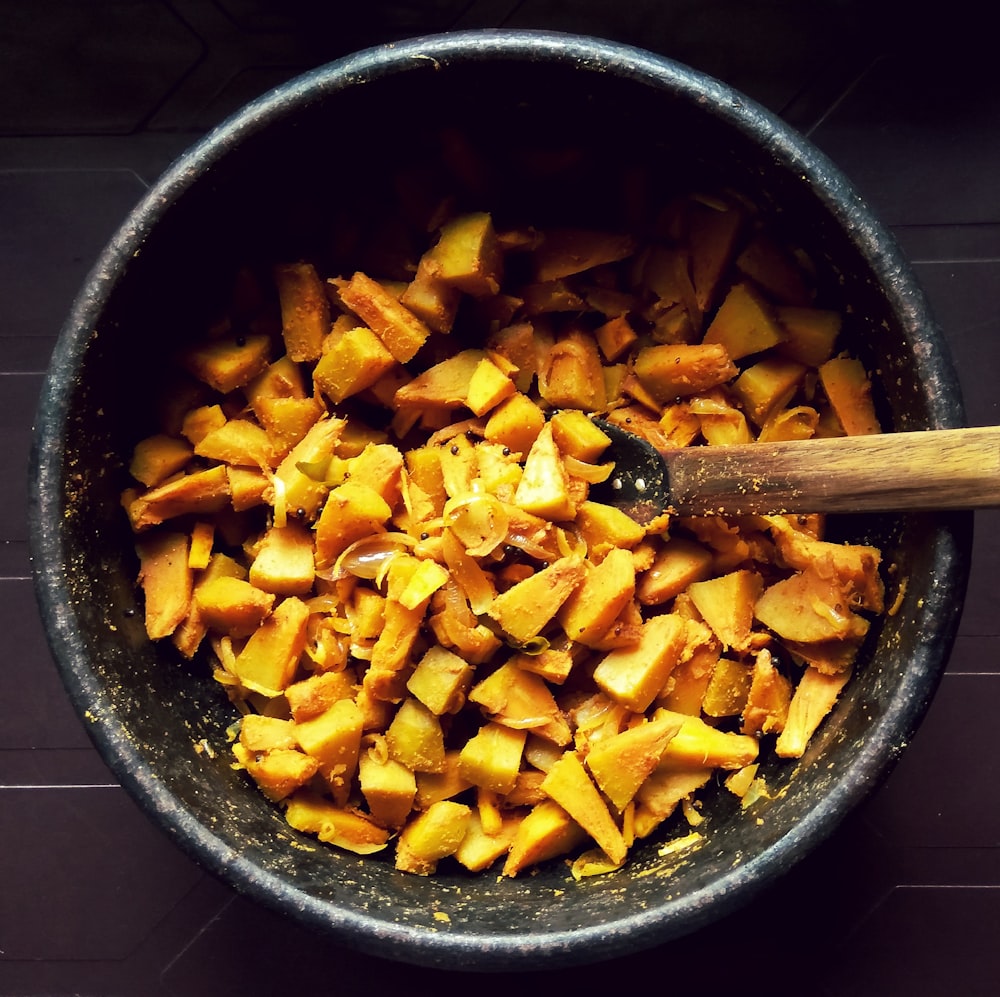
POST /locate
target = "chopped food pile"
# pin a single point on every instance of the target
(370, 499)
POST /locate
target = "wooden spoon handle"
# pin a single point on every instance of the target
(934, 469)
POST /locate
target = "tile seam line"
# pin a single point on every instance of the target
(947, 886)
(952, 260)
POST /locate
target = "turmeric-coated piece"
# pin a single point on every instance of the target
(369, 493)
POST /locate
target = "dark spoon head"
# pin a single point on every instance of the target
(639, 484)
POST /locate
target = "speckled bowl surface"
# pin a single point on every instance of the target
(274, 180)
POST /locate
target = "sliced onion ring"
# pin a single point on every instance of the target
(593, 474)
(479, 521)
(365, 558)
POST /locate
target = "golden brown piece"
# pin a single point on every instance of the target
(305, 310)
(388, 535)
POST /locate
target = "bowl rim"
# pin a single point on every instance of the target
(633, 930)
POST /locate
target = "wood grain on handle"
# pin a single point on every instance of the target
(934, 469)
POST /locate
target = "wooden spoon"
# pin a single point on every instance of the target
(929, 469)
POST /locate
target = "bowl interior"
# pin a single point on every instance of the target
(563, 129)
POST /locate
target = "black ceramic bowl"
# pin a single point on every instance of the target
(277, 180)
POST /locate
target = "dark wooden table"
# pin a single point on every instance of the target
(96, 98)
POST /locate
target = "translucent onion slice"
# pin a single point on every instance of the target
(474, 581)
(474, 426)
(593, 474)
(377, 747)
(479, 521)
(521, 723)
(280, 502)
(367, 557)
(327, 602)
(524, 543)
(570, 543)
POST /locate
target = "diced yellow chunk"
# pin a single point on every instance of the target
(491, 758)
(768, 386)
(305, 310)
(524, 610)
(594, 605)
(202, 541)
(248, 487)
(467, 255)
(576, 434)
(200, 421)
(440, 680)
(426, 579)
(849, 390)
(352, 511)
(431, 299)
(284, 561)
(233, 606)
(567, 251)
(745, 323)
(663, 791)
(728, 688)
(544, 488)
(301, 494)
(443, 785)
(521, 700)
(546, 832)
(615, 337)
(388, 787)
(263, 733)
(712, 232)
(571, 374)
(515, 423)
(621, 763)
(812, 333)
(349, 829)
(774, 268)
(699, 745)
(167, 581)
(634, 676)
(399, 329)
(668, 372)
(601, 524)
(431, 836)
(487, 387)
(198, 493)
(157, 457)
(444, 385)
(355, 360)
(269, 658)
(678, 563)
(809, 608)
(334, 739)
(228, 363)
(278, 771)
(568, 783)
(814, 697)
(287, 420)
(726, 604)
(415, 738)
(311, 696)
(766, 707)
(480, 848)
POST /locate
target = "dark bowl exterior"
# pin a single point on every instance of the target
(273, 180)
